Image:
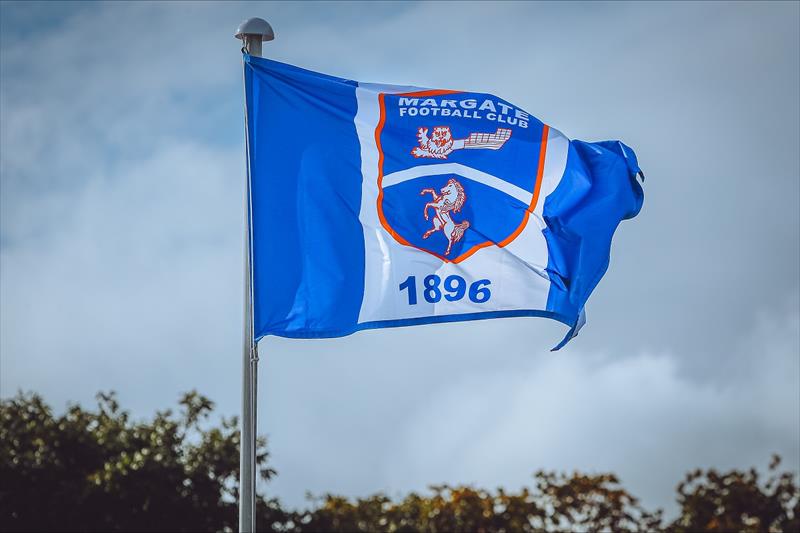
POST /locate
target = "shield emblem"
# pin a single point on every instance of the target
(457, 171)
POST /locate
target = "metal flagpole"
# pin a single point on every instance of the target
(252, 32)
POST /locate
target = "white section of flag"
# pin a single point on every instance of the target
(456, 168)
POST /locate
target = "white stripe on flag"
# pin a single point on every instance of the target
(456, 168)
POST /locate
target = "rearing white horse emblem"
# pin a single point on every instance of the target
(450, 199)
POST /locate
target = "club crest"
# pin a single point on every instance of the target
(465, 184)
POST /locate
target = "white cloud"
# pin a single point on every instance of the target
(135, 287)
(416, 419)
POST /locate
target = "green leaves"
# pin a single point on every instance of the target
(99, 470)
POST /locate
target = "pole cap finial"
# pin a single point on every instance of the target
(255, 26)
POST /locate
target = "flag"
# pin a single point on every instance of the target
(376, 206)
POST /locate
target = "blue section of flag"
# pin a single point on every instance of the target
(522, 146)
(305, 175)
(599, 189)
(487, 226)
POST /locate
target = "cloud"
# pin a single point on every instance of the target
(423, 422)
(135, 288)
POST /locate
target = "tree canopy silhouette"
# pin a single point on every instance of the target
(99, 470)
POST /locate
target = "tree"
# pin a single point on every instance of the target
(99, 470)
(560, 503)
(737, 501)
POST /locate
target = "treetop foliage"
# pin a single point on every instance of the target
(99, 470)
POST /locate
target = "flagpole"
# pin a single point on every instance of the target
(252, 32)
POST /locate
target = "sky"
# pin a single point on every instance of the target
(121, 181)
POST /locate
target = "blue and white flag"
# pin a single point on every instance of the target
(376, 206)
